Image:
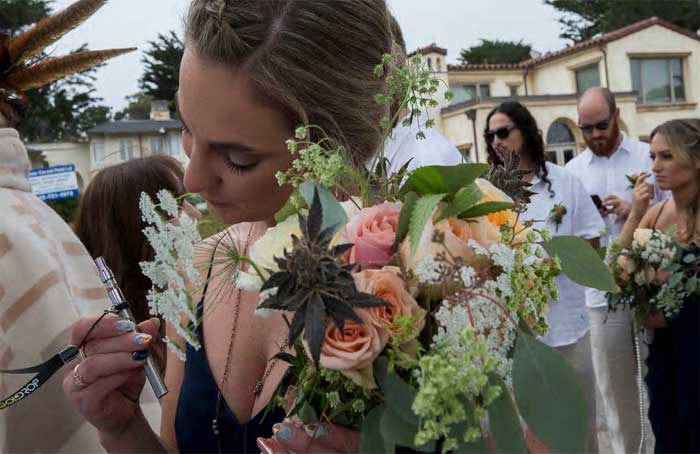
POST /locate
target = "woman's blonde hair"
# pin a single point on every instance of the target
(312, 58)
(683, 138)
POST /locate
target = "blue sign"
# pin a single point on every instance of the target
(54, 183)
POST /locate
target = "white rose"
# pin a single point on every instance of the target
(273, 243)
(642, 237)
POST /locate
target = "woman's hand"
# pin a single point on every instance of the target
(292, 436)
(642, 195)
(656, 320)
(105, 387)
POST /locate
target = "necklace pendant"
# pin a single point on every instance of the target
(258, 388)
(215, 426)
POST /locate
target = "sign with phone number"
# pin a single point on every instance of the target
(54, 183)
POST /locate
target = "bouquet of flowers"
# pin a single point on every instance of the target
(413, 301)
(654, 274)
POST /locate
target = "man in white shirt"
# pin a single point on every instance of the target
(602, 168)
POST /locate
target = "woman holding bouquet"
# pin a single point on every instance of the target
(252, 72)
(561, 204)
(673, 377)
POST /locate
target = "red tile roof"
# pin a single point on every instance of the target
(432, 48)
(579, 47)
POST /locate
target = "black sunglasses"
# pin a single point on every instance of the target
(600, 126)
(502, 133)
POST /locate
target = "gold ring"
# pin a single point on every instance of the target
(78, 379)
(83, 355)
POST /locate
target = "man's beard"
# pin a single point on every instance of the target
(605, 146)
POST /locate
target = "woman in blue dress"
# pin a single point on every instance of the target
(252, 72)
(673, 377)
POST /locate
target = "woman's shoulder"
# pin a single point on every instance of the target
(652, 217)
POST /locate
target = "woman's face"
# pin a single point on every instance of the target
(235, 142)
(670, 171)
(507, 138)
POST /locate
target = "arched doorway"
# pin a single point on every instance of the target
(561, 143)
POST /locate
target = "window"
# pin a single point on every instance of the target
(98, 152)
(658, 80)
(158, 145)
(513, 90)
(561, 144)
(175, 148)
(126, 149)
(587, 77)
(472, 92)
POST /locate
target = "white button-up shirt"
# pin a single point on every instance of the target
(403, 146)
(604, 176)
(568, 317)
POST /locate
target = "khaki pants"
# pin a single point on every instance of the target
(579, 357)
(612, 342)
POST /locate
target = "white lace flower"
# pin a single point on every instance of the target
(427, 270)
(467, 274)
(478, 248)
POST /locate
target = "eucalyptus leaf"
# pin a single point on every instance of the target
(407, 207)
(690, 258)
(395, 431)
(307, 414)
(675, 279)
(371, 436)
(442, 179)
(466, 198)
(548, 395)
(398, 394)
(333, 213)
(485, 208)
(420, 216)
(504, 422)
(580, 262)
(691, 285)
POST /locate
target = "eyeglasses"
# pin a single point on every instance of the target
(502, 133)
(600, 126)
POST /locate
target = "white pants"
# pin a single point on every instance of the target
(612, 342)
(579, 357)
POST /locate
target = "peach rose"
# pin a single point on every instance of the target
(661, 277)
(493, 194)
(388, 286)
(457, 235)
(372, 232)
(353, 350)
(646, 275)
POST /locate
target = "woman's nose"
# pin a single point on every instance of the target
(199, 174)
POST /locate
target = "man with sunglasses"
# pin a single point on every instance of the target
(602, 167)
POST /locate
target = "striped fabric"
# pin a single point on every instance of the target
(47, 281)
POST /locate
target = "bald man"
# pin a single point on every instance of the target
(602, 167)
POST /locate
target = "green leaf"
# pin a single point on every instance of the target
(548, 395)
(288, 209)
(675, 279)
(458, 430)
(690, 258)
(420, 216)
(307, 414)
(405, 217)
(398, 394)
(485, 208)
(371, 436)
(504, 422)
(395, 431)
(580, 262)
(333, 213)
(442, 179)
(466, 198)
(691, 285)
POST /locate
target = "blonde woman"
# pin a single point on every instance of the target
(251, 73)
(673, 377)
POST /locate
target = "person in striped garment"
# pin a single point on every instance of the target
(47, 281)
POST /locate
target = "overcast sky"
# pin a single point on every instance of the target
(453, 24)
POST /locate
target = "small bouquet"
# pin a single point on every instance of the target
(654, 274)
(414, 301)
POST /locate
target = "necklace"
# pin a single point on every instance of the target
(260, 384)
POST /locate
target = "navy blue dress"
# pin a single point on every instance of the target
(196, 409)
(673, 380)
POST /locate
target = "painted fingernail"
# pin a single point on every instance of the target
(140, 355)
(282, 432)
(316, 430)
(142, 339)
(124, 325)
(264, 447)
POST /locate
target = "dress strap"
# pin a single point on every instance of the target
(656, 221)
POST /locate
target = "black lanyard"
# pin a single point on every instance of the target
(44, 372)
